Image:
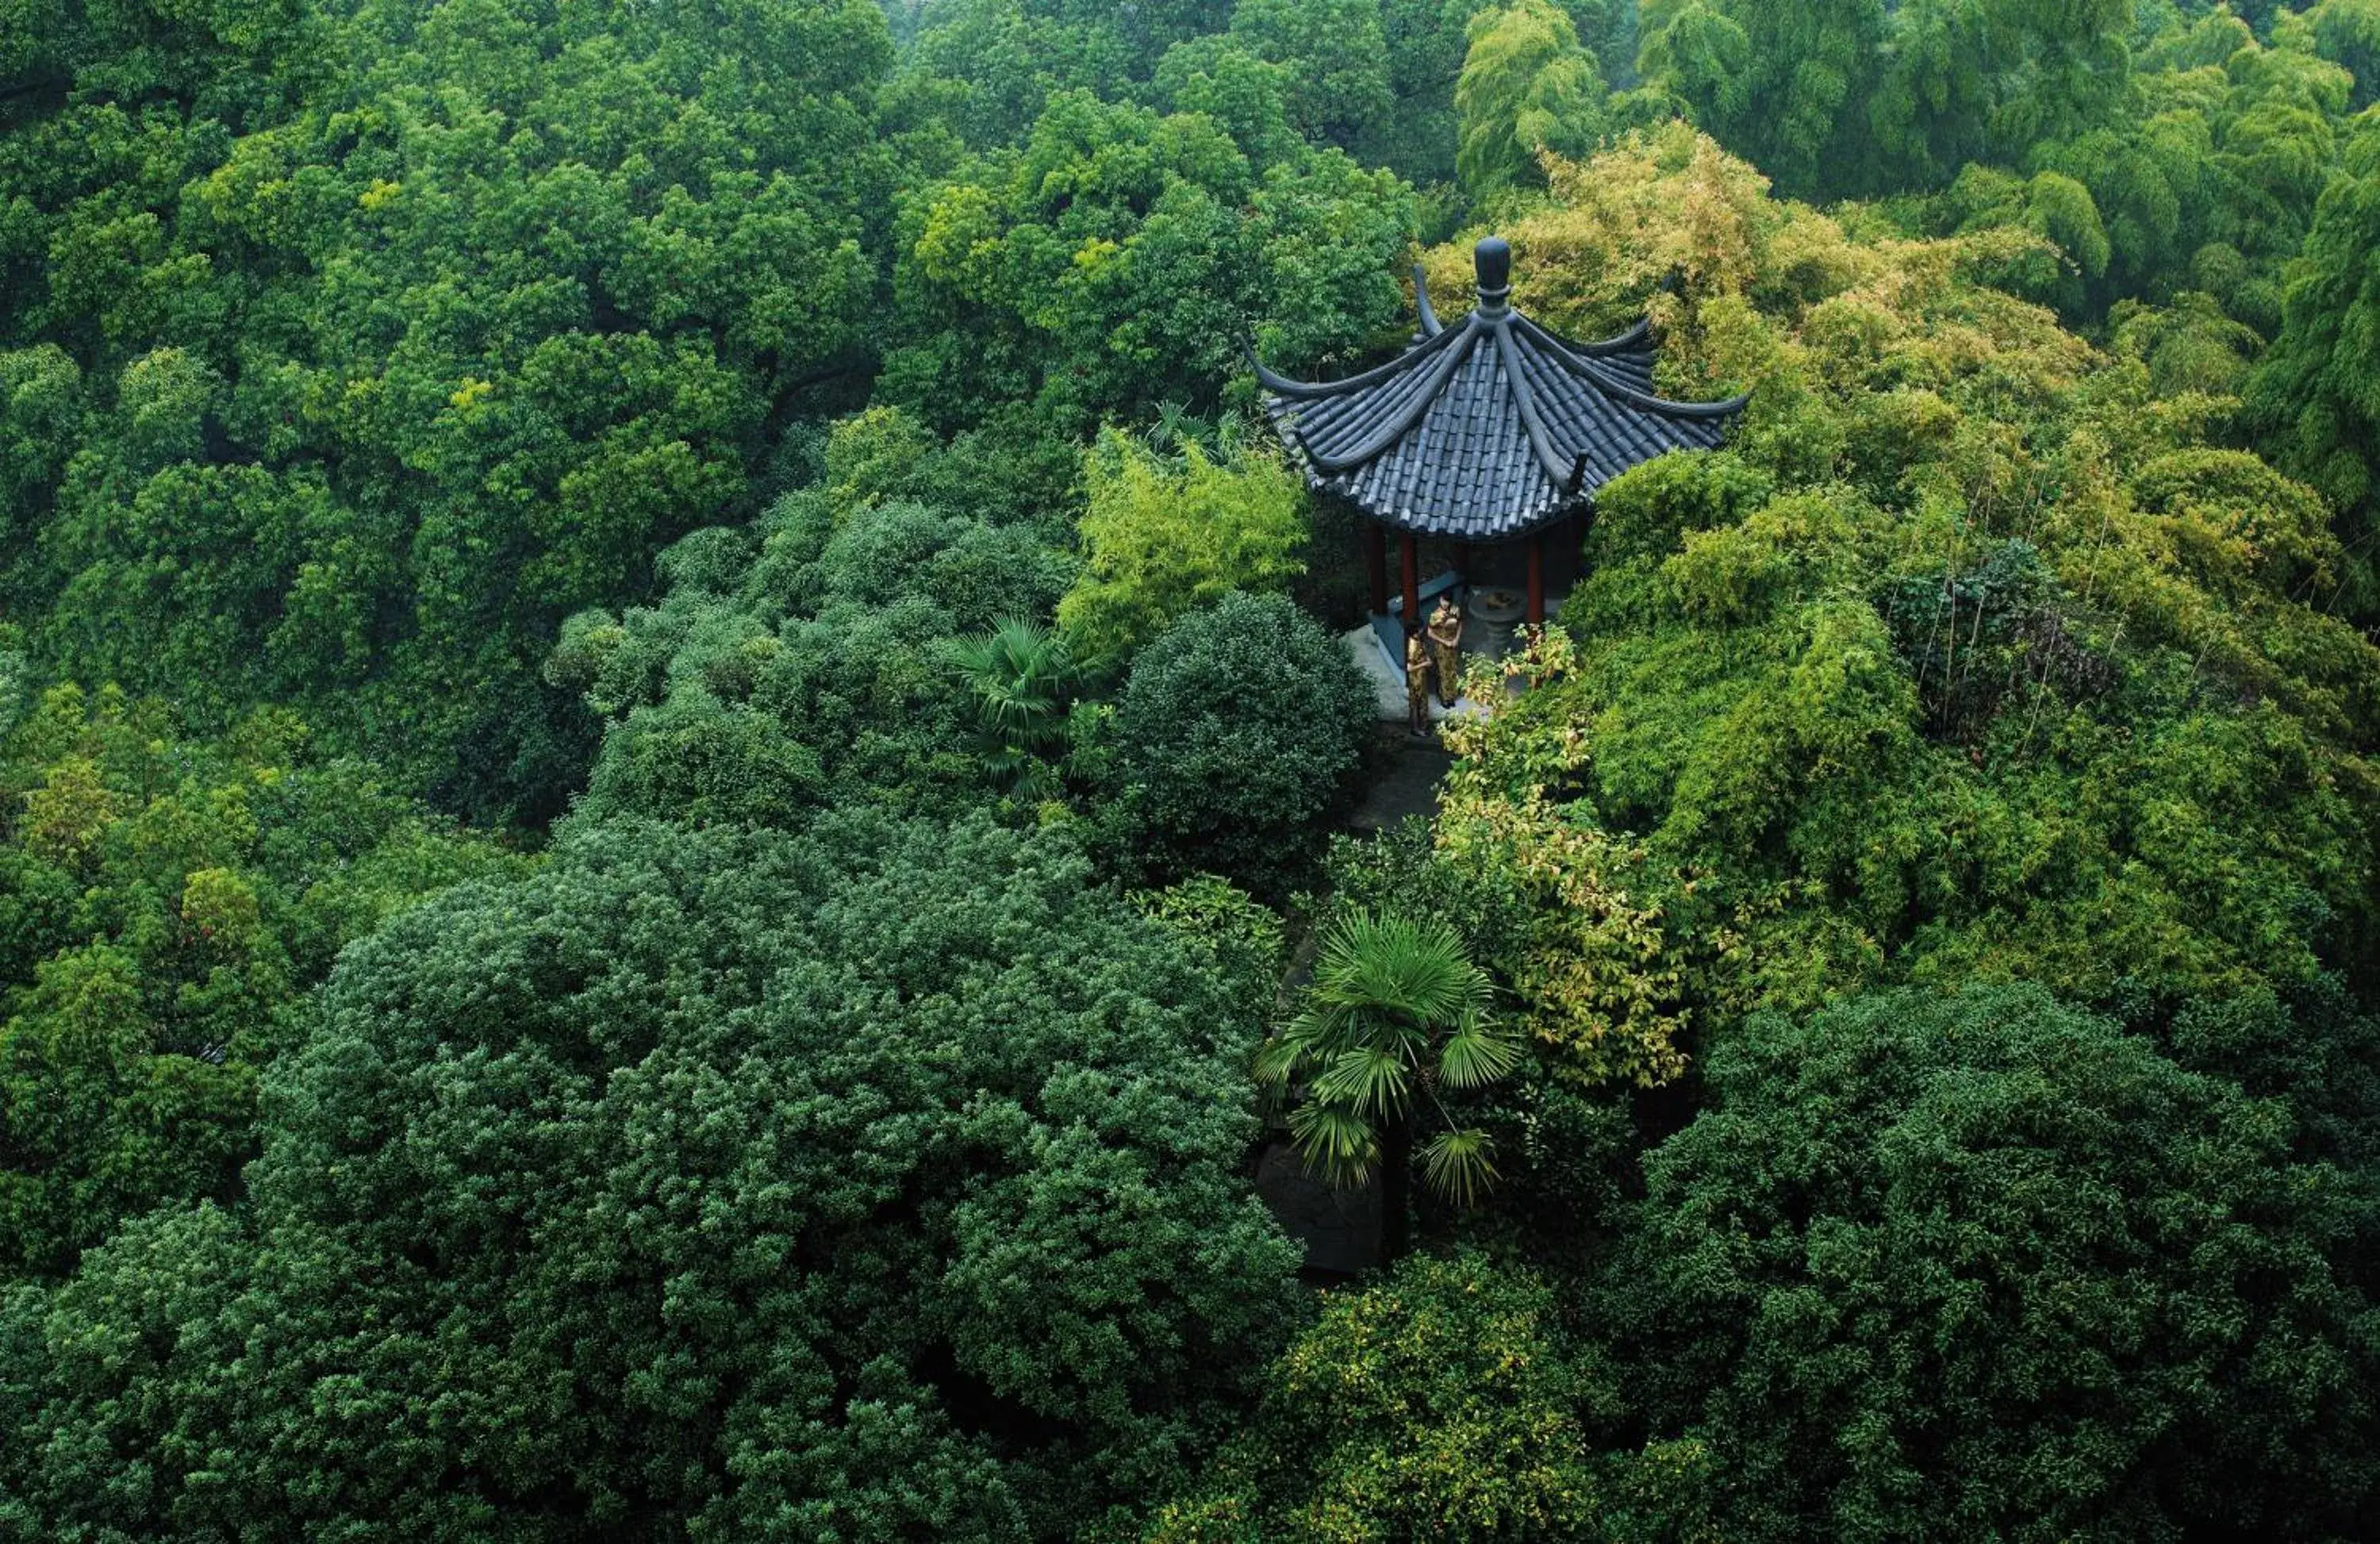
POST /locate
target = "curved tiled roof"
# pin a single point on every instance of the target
(1490, 428)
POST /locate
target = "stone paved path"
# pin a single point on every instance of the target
(1403, 781)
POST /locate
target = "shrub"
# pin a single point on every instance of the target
(1237, 736)
(1446, 1403)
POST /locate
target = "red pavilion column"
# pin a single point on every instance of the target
(1537, 577)
(1411, 554)
(1376, 559)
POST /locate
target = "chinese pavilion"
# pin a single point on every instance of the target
(1493, 430)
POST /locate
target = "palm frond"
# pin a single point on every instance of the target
(1457, 1164)
(1371, 1082)
(1024, 680)
(1034, 780)
(1339, 1146)
(1391, 1002)
(1398, 969)
(1279, 1059)
(1476, 1054)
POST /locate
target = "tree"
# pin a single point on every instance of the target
(1247, 95)
(2076, 249)
(1991, 79)
(2190, 345)
(1878, 694)
(987, 68)
(1598, 977)
(165, 905)
(1243, 937)
(1118, 258)
(1425, 42)
(1337, 60)
(1396, 1011)
(1526, 85)
(1777, 82)
(2317, 392)
(41, 414)
(873, 1182)
(805, 661)
(1985, 1265)
(2347, 32)
(377, 392)
(1164, 536)
(2206, 177)
(1238, 733)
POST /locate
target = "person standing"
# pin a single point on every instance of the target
(1419, 670)
(1446, 646)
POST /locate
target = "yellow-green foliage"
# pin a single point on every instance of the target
(1972, 656)
(1243, 935)
(1164, 536)
(871, 456)
(1597, 979)
(1445, 1403)
(1526, 85)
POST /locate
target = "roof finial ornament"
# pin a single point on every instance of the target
(1493, 257)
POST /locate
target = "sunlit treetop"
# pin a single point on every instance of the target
(1973, 655)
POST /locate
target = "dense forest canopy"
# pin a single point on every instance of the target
(675, 759)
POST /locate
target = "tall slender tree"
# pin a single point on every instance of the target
(1777, 82)
(1527, 85)
(2318, 391)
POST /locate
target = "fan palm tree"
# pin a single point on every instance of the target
(1023, 677)
(1396, 1011)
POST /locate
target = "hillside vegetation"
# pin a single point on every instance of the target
(674, 764)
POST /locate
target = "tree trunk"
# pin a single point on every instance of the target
(1396, 1192)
